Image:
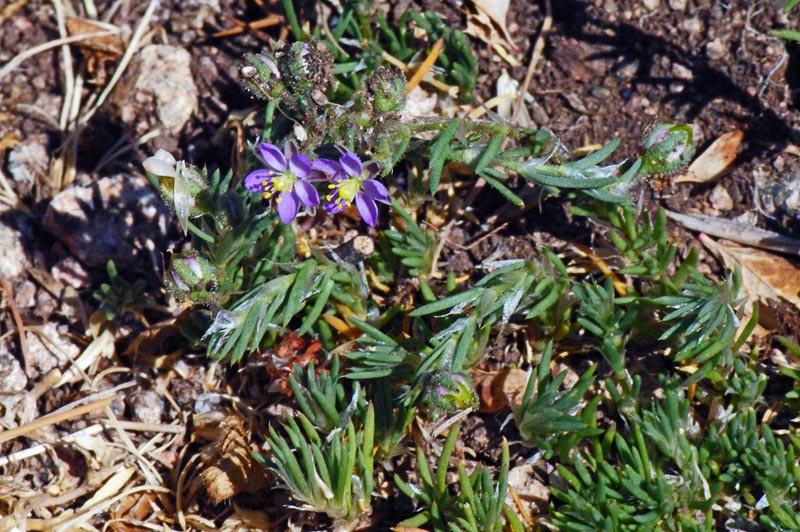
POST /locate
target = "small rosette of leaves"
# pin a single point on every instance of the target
(323, 398)
(330, 475)
(478, 504)
(547, 412)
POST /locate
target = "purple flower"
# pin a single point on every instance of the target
(352, 181)
(288, 182)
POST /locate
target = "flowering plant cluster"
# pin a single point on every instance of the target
(289, 179)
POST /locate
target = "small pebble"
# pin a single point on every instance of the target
(25, 295)
(715, 49)
(682, 72)
(720, 199)
(693, 25)
(652, 5)
(677, 5)
(601, 93)
(12, 378)
(146, 406)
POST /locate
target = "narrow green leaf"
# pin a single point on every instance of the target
(439, 151)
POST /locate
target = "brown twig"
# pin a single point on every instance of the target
(241, 27)
(23, 342)
(535, 57)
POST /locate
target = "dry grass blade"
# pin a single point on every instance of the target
(39, 449)
(17, 60)
(56, 417)
(425, 66)
(23, 343)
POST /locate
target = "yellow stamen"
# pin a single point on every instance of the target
(349, 189)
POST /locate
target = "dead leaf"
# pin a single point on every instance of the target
(764, 276)
(244, 520)
(497, 11)
(497, 390)
(489, 25)
(137, 507)
(715, 161)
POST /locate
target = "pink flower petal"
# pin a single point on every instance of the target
(335, 204)
(371, 168)
(367, 209)
(255, 180)
(331, 168)
(272, 156)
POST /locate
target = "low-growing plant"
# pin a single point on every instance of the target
(403, 341)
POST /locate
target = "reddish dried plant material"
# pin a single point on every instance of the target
(134, 508)
(290, 352)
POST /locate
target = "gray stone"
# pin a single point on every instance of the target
(164, 87)
(13, 260)
(146, 406)
(49, 348)
(27, 161)
(12, 378)
(721, 199)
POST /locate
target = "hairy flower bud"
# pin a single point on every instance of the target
(449, 392)
(192, 278)
(666, 148)
(387, 88)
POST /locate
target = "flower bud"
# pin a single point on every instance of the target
(261, 75)
(666, 148)
(387, 89)
(192, 278)
(449, 392)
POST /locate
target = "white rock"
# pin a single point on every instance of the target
(164, 85)
(720, 199)
(27, 161)
(12, 378)
(49, 348)
(111, 219)
(13, 260)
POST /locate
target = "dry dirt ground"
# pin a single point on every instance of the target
(609, 69)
